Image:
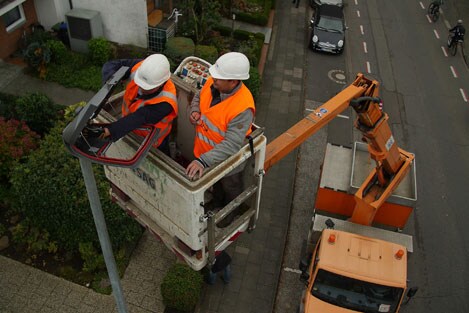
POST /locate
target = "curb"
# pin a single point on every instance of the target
(265, 47)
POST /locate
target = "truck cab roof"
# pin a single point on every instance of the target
(363, 258)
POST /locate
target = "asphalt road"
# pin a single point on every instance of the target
(425, 93)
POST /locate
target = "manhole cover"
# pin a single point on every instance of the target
(337, 76)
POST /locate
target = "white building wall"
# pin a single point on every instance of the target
(51, 12)
(62, 6)
(124, 21)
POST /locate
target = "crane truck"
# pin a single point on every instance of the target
(348, 260)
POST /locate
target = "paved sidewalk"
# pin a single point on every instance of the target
(13, 81)
(257, 257)
(25, 289)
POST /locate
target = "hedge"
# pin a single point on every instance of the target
(254, 82)
(7, 105)
(100, 51)
(224, 30)
(207, 53)
(179, 48)
(59, 52)
(181, 287)
(256, 18)
(37, 110)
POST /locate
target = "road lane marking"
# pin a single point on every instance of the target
(436, 34)
(337, 76)
(343, 116)
(444, 51)
(463, 94)
(291, 270)
(368, 67)
(455, 75)
(364, 47)
(358, 13)
(361, 30)
(356, 2)
(429, 19)
(421, 5)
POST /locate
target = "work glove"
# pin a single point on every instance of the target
(93, 131)
(91, 139)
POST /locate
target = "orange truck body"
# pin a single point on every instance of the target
(373, 274)
(356, 266)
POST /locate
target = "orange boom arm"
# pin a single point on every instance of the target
(392, 163)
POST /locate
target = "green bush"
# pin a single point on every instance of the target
(38, 35)
(181, 287)
(38, 55)
(59, 53)
(241, 34)
(251, 49)
(7, 104)
(257, 18)
(200, 16)
(49, 190)
(223, 30)
(86, 77)
(254, 82)
(100, 51)
(242, 41)
(208, 53)
(35, 241)
(3, 230)
(260, 36)
(37, 110)
(76, 72)
(220, 43)
(92, 260)
(16, 141)
(178, 48)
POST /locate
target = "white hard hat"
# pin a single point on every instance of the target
(153, 72)
(231, 65)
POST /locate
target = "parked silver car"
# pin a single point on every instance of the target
(315, 3)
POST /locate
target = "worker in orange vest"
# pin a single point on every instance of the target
(149, 98)
(222, 113)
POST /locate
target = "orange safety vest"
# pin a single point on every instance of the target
(214, 120)
(167, 94)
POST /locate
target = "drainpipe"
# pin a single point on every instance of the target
(71, 4)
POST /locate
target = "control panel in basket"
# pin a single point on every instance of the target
(193, 71)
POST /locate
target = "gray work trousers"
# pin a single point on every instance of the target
(228, 188)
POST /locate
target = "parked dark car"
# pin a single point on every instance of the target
(328, 29)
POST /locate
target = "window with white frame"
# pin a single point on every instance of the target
(12, 14)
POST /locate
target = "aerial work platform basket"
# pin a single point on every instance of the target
(160, 196)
